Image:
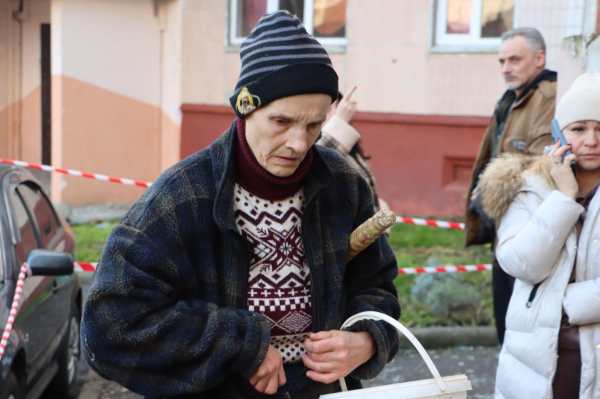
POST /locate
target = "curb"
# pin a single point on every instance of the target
(445, 337)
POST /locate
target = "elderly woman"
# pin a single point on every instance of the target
(228, 278)
(548, 225)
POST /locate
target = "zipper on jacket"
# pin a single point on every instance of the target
(313, 287)
(532, 294)
(246, 250)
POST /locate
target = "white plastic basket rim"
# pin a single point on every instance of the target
(382, 317)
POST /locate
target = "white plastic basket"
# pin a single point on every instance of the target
(453, 387)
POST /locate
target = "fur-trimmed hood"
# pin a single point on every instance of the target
(506, 175)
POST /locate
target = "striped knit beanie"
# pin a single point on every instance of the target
(280, 59)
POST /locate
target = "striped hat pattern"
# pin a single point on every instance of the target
(280, 59)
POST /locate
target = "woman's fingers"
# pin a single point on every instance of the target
(555, 147)
(561, 150)
(321, 367)
(270, 373)
(273, 384)
(350, 92)
(570, 158)
(325, 378)
(261, 384)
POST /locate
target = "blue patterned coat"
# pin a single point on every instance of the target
(166, 314)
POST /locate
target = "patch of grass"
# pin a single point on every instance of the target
(419, 246)
(408, 235)
(90, 240)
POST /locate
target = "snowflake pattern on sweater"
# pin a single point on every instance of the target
(279, 280)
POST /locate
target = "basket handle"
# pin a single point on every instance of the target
(406, 333)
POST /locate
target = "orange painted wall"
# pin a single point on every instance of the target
(10, 144)
(422, 163)
(26, 146)
(107, 133)
(31, 128)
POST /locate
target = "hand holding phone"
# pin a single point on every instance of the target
(558, 135)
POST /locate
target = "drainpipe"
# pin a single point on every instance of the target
(18, 16)
(162, 26)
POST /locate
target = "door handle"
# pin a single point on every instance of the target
(55, 287)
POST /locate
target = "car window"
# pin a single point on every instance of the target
(28, 241)
(41, 211)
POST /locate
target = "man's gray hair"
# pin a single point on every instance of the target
(533, 37)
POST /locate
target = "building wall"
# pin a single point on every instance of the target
(557, 19)
(114, 95)
(122, 69)
(35, 13)
(387, 56)
(424, 112)
(422, 163)
(10, 97)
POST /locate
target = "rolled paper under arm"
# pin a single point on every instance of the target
(369, 231)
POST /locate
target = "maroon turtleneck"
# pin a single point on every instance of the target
(257, 180)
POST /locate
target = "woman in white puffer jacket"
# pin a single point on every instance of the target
(548, 222)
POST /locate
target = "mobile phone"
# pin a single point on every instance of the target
(558, 135)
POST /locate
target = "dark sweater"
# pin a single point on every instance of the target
(166, 313)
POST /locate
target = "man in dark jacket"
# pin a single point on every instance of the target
(228, 278)
(521, 124)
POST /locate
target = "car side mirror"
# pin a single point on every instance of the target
(43, 262)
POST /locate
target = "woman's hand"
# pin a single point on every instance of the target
(347, 108)
(270, 374)
(331, 355)
(561, 170)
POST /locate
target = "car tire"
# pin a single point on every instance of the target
(12, 389)
(63, 384)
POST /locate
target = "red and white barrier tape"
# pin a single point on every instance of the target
(14, 308)
(71, 172)
(432, 223)
(85, 267)
(129, 182)
(91, 267)
(444, 269)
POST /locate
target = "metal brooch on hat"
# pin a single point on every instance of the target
(247, 102)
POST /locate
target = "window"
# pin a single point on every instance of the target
(28, 241)
(42, 212)
(324, 19)
(473, 22)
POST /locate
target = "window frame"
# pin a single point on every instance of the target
(272, 6)
(43, 198)
(443, 42)
(16, 199)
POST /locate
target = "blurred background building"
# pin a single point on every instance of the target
(129, 87)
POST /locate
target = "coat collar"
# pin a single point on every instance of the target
(505, 176)
(222, 152)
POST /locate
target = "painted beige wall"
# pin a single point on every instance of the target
(10, 97)
(115, 94)
(170, 22)
(387, 56)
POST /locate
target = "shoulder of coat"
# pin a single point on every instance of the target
(547, 89)
(502, 179)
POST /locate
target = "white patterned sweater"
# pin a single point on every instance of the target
(279, 280)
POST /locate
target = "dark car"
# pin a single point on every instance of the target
(44, 346)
